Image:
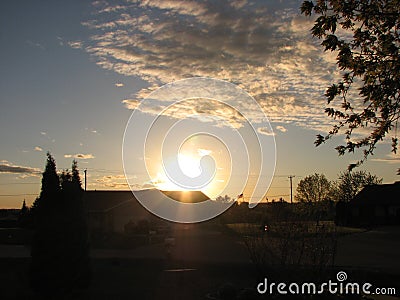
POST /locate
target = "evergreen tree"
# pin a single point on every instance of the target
(76, 179)
(23, 216)
(60, 252)
(50, 189)
(50, 179)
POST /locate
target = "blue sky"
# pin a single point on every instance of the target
(73, 71)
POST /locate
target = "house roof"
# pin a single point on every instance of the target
(187, 196)
(103, 201)
(378, 194)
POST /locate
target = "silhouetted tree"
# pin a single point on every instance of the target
(50, 188)
(313, 188)
(350, 183)
(76, 178)
(223, 199)
(24, 216)
(60, 252)
(367, 47)
(314, 191)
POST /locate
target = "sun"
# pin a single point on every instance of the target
(189, 165)
(201, 164)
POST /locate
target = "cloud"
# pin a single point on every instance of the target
(391, 158)
(45, 134)
(201, 109)
(91, 130)
(264, 47)
(265, 131)
(131, 103)
(7, 167)
(113, 181)
(35, 44)
(80, 156)
(238, 4)
(281, 128)
(75, 44)
(37, 148)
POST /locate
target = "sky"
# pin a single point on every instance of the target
(78, 79)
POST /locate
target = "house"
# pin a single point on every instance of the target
(373, 205)
(110, 211)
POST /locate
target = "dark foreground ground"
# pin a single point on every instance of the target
(137, 279)
(203, 263)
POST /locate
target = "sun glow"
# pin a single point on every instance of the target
(189, 165)
(202, 163)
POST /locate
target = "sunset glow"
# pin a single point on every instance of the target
(190, 165)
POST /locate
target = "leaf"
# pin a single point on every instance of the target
(307, 7)
(394, 144)
(331, 42)
(320, 139)
(318, 29)
(368, 51)
(332, 92)
(351, 167)
(330, 23)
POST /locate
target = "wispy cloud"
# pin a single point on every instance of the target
(80, 156)
(281, 128)
(131, 103)
(113, 181)
(75, 44)
(46, 135)
(265, 131)
(7, 167)
(92, 130)
(391, 158)
(264, 47)
(35, 44)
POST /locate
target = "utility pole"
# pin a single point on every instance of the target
(291, 187)
(85, 171)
